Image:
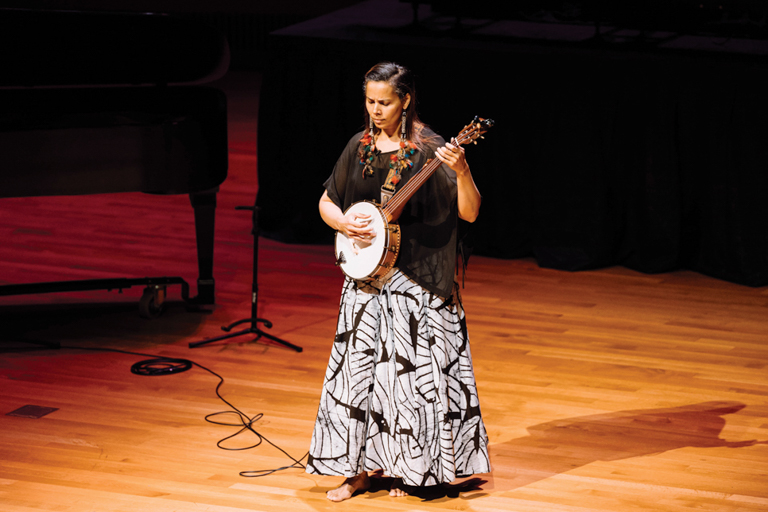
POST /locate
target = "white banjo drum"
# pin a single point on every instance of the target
(374, 259)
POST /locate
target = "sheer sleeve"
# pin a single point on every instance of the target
(337, 184)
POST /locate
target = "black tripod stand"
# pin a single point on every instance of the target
(254, 319)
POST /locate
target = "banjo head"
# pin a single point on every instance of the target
(361, 260)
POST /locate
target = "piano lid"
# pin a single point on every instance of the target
(87, 49)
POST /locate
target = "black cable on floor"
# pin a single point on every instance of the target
(161, 366)
(171, 366)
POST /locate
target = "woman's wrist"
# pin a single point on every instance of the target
(464, 173)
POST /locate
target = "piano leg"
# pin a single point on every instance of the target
(204, 204)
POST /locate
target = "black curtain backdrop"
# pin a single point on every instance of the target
(601, 155)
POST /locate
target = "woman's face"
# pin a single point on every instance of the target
(384, 106)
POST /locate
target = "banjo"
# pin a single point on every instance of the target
(373, 259)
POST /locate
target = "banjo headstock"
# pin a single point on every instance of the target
(474, 131)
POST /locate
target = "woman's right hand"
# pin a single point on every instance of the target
(354, 225)
(357, 227)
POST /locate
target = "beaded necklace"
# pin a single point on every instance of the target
(398, 162)
(368, 151)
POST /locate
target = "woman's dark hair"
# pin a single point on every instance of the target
(400, 79)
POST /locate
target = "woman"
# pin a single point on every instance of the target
(399, 393)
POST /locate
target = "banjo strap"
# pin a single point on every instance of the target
(386, 194)
(389, 187)
(398, 163)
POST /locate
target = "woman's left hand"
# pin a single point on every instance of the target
(453, 156)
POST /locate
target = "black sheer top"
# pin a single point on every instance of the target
(428, 223)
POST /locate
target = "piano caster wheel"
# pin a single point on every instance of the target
(151, 302)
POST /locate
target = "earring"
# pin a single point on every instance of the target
(403, 121)
(370, 124)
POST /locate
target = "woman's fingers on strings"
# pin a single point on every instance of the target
(363, 220)
(356, 225)
(360, 230)
(443, 154)
(449, 154)
(359, 219)
(454, 148)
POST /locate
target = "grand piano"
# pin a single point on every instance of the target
(111, 102)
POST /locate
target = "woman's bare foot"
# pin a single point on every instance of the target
(397, 490)
(349, 487)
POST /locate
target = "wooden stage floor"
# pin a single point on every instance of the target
(606, 390)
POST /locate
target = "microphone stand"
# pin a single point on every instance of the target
(254, 319)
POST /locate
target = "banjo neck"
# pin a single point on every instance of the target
(395, 205)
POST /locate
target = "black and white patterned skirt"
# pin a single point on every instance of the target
(399, 392)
